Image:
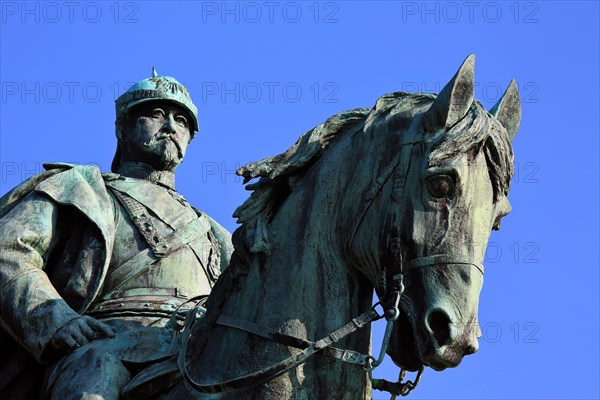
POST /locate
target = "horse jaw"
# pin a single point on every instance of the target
(404, 351)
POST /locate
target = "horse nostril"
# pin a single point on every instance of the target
(471, 349)
(439, 323)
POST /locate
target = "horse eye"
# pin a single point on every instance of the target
(440, 186)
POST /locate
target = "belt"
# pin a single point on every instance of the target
(141, 301)
(135, 292)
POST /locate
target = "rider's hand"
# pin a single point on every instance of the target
(80, 331)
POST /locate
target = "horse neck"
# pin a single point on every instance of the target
(304, 286)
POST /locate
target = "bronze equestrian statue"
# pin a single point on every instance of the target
(399, 199)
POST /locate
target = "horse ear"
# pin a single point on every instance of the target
(454, 100)
(508, 110)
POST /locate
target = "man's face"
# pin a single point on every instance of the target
(157, 133)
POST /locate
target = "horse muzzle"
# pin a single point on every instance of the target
(447, 341)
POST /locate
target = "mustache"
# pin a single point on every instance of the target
(164, 136)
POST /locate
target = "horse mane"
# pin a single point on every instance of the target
(278, 174)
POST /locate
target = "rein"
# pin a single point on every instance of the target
(280, 368)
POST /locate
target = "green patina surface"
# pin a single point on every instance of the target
(397, 199)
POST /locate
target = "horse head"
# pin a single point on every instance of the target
(444, 171)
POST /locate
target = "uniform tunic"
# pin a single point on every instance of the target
(168, 283)
(62, 235)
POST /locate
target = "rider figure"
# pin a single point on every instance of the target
(93, 266)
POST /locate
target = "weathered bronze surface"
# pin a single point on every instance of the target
(98, 270)
(399, 198)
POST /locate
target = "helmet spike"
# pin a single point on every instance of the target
(154, 73)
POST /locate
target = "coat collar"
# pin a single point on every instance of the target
(146, 172)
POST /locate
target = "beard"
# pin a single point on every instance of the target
(161, 152)
(165, 154)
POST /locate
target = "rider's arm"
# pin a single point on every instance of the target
(31, 309)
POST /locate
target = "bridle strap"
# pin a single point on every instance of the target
(396, 169)
(400, 162)
(438, 259)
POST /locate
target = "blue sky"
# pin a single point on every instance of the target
(262, 73)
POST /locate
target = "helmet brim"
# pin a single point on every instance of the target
(162, 99)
